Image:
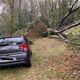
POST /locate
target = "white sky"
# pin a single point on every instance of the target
(1, 9)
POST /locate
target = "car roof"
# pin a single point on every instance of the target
(13, 37)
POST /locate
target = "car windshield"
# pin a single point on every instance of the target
(11, 41)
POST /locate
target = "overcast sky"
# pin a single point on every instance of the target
(1, 7)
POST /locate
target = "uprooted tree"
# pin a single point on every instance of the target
(18, 15)
(59, 30)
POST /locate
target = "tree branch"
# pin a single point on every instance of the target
(73, 5)
(68, 14)
(68, 27)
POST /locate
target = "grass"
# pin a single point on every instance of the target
(41, 68)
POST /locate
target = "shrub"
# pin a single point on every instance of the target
(74, 44)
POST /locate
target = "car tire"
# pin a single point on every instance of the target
(28, 61)
(31, 52)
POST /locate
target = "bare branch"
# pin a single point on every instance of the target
(73, 5)
(68, 27)
(68, 14)
(62, 37)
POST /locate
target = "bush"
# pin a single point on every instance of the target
(74, 44)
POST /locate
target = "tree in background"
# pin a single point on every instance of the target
(19, 14)
(8, 16)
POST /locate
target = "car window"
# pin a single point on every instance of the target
(11, 41)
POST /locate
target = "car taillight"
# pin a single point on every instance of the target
(24, 47)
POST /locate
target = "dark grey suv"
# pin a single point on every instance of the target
(15, 50)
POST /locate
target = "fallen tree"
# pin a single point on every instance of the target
(60, 29)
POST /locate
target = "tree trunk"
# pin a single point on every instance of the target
(12, 17)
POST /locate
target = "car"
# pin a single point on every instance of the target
(14, 51)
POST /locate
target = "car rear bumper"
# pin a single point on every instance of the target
(12, 63)
(19, 59)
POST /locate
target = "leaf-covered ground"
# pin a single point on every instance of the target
(50, 61)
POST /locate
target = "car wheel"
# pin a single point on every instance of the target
(28, 61)
(31, 52)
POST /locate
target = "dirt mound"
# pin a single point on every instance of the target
(35, 31)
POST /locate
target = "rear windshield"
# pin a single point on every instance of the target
(11, 41)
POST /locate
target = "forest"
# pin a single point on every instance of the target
(51, 25)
